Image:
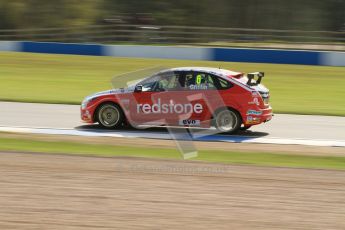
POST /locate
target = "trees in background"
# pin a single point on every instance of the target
(265, 14)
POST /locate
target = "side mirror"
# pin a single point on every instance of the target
(138, 88)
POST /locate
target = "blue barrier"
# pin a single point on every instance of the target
(186, 53)
(61, 48)
(267, 56)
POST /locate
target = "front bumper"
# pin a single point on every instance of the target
(86, 116)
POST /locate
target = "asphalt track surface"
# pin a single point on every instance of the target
(67, 117)
(44, 191)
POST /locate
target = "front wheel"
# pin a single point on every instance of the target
(227, 121)
(110, 116)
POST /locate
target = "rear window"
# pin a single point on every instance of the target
(223, 84)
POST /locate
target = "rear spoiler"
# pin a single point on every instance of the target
(251, 76)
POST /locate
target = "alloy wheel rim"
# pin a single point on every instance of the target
(226, 121)
(109, 116)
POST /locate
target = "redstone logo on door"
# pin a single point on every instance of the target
(169, 108)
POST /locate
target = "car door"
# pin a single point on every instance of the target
(189, 105)
(152, 105)
(202, 90)
(164, 99)
(141, 102)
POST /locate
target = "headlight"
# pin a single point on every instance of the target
(86, 101)
(84, 104)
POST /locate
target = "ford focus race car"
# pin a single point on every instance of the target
(188, 97)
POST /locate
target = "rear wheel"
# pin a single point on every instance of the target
(227, 121)
(110, 116)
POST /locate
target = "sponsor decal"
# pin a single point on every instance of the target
(198, 87)
(252, 120)
(189, 122)
(254, 112)
(163, 108)
(255, 101)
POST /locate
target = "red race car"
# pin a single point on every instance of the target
(188, 96)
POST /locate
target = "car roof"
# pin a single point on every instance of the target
(211, 70)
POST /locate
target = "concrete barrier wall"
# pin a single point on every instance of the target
(168, 52)
(276, 56)
(9, 46)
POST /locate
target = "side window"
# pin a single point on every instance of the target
(200, 81)
(163, 82)
(170, 81)
(189, 80)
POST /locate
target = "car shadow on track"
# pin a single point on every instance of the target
(195, 133)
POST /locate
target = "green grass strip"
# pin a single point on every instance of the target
(228, 157)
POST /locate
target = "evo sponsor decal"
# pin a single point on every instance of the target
(189, 122)
(254, 112)
(171, 108)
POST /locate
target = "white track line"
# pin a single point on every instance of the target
(167, 136)
(86, 133)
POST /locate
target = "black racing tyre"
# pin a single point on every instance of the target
(110, 116)
(227, 121)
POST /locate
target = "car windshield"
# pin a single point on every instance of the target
(132, 78)
(149, 83)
